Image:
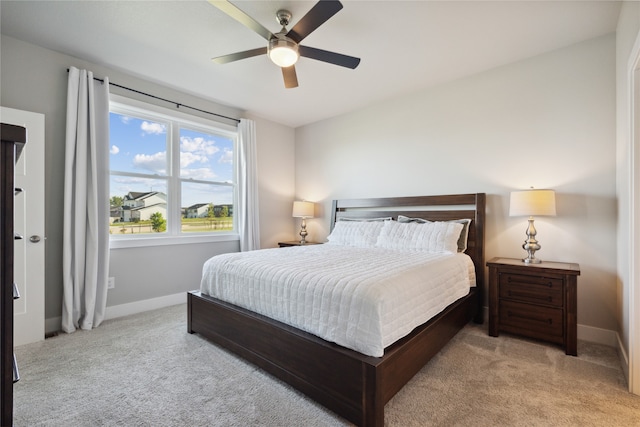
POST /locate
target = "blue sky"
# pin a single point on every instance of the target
(140, 146)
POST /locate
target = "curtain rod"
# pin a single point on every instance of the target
(177, 104)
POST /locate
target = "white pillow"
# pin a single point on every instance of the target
(464, 234)
(356, 233)
(435, 237)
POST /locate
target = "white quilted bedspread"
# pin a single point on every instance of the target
(361, 298)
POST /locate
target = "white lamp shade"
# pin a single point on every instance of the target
(283, 52)
(303, 209)
(533, 203)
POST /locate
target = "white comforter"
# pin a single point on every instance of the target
(361, 298)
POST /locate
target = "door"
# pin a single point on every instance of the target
(634, 246)
(29, 222)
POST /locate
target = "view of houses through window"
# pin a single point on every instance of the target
(168, 175)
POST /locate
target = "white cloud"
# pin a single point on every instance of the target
(201, 173)
(226, 157)
(198, 145)
(153, 162)
(187, 159)
(114, 149)
(153, 128)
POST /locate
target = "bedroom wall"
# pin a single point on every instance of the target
(546, 122)
(35, 79)
(276, 172)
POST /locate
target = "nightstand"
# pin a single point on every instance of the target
(296, 243)
(534, 300)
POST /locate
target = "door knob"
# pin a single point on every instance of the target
(35, 239)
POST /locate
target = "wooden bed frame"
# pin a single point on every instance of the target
(349, 383)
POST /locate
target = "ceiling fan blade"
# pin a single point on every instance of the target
(330, 57)
(318, 15)
(290, 77)
(239, 55)
(242, 18)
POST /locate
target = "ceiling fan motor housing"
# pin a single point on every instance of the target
(283, 17)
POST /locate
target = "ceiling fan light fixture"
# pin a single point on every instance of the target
(283, 52)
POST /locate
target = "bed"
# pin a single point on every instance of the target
(353, 385)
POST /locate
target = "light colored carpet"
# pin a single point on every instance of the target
(146, 370)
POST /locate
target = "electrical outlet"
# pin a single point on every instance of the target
(111, 283)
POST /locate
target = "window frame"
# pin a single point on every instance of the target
(176, 120)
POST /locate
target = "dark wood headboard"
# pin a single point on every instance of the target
(433, 208)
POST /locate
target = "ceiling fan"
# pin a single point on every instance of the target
(284, 47)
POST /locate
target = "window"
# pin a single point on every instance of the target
(172, 176)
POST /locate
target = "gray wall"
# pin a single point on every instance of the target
(35, 79)
(546, 122)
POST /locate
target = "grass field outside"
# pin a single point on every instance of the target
(189, 225)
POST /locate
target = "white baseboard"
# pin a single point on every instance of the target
(598, 335)
(624, 358)
(54, 324)
(144, 305)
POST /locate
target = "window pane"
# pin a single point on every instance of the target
(205, 157)
(137, 145)
(154, 153)
(206, 208)
(137, 205)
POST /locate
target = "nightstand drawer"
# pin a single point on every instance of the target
(534, 321)
(532, 289)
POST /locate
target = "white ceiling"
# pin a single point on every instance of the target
(404, 45)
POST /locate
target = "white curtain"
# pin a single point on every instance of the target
(86, 202)
(248, 224)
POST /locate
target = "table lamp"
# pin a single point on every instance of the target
(532, 203)
(304, 210)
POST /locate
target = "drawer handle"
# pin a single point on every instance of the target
(511, 314)
(511, 279)
(541, 297)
